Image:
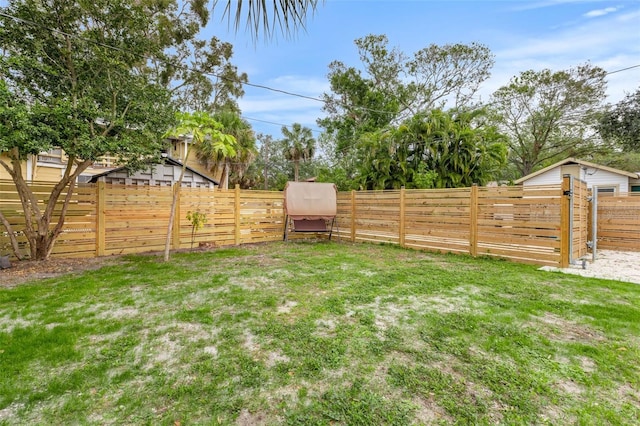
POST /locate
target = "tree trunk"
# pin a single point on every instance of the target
(174, 204)
(12, 237)
(40, 238)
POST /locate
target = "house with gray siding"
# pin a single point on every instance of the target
(163, 174)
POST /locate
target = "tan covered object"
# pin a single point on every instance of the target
(310, 200)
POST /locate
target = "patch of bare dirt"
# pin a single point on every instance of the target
(25, 271)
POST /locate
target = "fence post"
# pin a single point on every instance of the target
(473, 221)
(100, 221)
(402, 211)
(175, 243)
(565, 222)
(236, 214)
(353, 216)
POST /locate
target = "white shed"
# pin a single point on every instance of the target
(607, 179)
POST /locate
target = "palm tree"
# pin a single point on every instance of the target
(207, 135)
(244, 153)
(287, 14)
(299, 145)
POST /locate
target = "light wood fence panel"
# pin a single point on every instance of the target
(376, 216)
(261, 216)
(343, 225)
(201, 200)
(580, 220)
(438, 220)
(619, 222)
(520, 224)
(136, 218)
(79, 232)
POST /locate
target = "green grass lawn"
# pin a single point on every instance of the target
(319, 333)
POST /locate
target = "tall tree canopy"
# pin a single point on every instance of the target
(550, 115)
(621, 124)
(79, 74)
(391, 86)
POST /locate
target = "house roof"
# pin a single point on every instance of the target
(571, 160)
(166, 160)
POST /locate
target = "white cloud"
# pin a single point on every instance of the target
(547, 3)
(612, 43)
(600, 12)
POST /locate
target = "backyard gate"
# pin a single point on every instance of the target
(577, 219)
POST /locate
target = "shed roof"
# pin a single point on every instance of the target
(572, 160)
(167, 160)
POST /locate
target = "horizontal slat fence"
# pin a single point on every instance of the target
(78, 238)
(135, 218)
(580, 222)
(619, 222)
(437, 220)
(521, 224)
(507, 222)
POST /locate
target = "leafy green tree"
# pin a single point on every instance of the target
(435, 149)
(299, 145)
(391, 86)
(198, 73)
(66, 89)
(105, 77)
(622, 160)
(549, 116)
(621, 124)
(207, 136)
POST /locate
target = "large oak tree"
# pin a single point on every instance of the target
(550, 115)
(621, 124)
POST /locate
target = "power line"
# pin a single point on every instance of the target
(623, 69)
(211, 74)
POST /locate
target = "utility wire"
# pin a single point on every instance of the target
(211, 74)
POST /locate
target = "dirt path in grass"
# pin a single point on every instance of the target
(609, 264)
(21, 272)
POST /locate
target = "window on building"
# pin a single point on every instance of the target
(635, 188)
(606, 191)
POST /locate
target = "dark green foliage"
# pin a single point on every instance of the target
(550, 115)
(622, 123)
(433, 150)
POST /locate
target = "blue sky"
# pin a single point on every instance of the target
(538, 34)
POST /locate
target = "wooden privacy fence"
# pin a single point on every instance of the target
(618, 222)
(105, 219)
(521, 224)
(524, 224)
